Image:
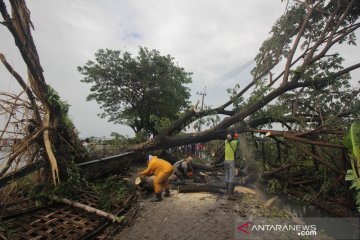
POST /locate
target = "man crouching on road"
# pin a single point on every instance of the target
(162, 171)
(183, 170)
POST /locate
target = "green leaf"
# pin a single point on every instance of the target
(347, 141)
(355, 139)
(355, 184)
(350, 176)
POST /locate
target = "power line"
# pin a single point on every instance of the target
(230, 75)
(215, 84)
(239, 69)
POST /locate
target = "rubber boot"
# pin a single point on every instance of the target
(231, 187)
(157, 197)
(230, 191)
(167, 193)
(226, 187)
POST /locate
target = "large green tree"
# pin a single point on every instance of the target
(137, 91)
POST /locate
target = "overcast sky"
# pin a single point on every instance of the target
(209, 38)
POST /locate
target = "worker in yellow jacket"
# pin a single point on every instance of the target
(162, 171)
(229, 163)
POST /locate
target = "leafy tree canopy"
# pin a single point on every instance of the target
(136, 91)
(333, 101)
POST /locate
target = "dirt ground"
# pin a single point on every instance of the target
(203, 216)
(184, 216)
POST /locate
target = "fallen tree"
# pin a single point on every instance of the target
(290, 86)
(294, 74)
(42, 119)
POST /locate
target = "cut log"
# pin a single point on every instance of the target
(89, 209)
(137, 181)
(241, 189)
(270, 202)
(145, 183)
(198, 188)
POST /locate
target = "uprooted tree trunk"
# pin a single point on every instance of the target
(46, 117)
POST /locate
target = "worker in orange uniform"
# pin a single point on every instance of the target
(162, 171)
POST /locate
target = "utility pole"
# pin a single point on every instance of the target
(203, 94)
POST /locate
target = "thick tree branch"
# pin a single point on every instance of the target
(293, 137)
(330, 42)
(295, 45)
(178, 124)
(220, 130)
(322, 35)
